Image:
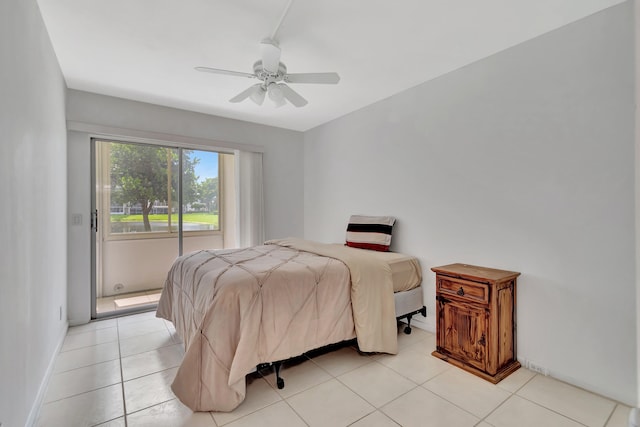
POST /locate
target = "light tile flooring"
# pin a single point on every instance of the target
(118, 372)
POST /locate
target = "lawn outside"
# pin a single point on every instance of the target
(192, 217)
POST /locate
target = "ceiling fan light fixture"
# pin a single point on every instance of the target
(258, 94)
(276, 94)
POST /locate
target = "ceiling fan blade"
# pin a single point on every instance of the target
(321, 78)
(292, 96)
(270, 55)
(226, 72)
(250, 92)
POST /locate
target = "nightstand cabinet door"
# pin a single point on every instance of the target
(462, 329)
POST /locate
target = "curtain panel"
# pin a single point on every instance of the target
(249, 199)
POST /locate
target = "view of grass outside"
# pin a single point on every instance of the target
(193, 218)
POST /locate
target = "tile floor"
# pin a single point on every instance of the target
(118, 372)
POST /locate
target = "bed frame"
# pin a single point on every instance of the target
(407, 304)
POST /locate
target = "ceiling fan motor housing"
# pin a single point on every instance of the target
(268, 77)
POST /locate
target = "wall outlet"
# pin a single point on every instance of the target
(535, 367)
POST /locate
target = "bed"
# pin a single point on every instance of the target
(238, 309)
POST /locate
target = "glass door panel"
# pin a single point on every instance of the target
(137, 188)
(201, 219)
(152, 204)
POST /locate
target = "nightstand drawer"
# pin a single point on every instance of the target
(463, 289)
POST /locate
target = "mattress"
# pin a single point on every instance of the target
(406, 273)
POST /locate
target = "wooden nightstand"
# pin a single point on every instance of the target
(476, 319)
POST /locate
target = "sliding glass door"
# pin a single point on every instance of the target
(151, 204)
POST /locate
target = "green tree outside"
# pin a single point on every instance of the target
(209, 193)
(140, 175)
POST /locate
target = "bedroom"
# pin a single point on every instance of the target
(546, 196)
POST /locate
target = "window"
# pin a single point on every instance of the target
(142, 189)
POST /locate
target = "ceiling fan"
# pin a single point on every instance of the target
(273, 75)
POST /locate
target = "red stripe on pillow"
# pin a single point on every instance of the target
(371, 246)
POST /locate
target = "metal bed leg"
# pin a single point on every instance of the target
(279, 380)
(276, 368)
(407, 329)
(408, 316)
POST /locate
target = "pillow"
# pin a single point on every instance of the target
(370, 232)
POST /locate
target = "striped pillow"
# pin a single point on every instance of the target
(370, 232)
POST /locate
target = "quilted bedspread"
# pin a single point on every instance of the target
(371, 292)
(235, 309)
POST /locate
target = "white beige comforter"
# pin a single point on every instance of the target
(235, 309)
(371, 292)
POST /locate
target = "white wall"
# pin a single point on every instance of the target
(283, 170)
(522, 161)
(33, 218)
(79, 237)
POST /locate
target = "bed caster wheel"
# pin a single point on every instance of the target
(407, 330)
(280, 383)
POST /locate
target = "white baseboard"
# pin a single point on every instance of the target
(37, 404)
(78, 322)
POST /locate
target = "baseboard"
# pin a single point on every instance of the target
(37, 404)
(76, 322)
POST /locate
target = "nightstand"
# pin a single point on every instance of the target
(476, 319)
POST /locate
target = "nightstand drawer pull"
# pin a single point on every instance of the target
(460, 291)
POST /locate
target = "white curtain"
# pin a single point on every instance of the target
(249, 199)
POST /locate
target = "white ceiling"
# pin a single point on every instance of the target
(145, 50)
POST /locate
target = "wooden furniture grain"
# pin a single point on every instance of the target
(476, 319)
